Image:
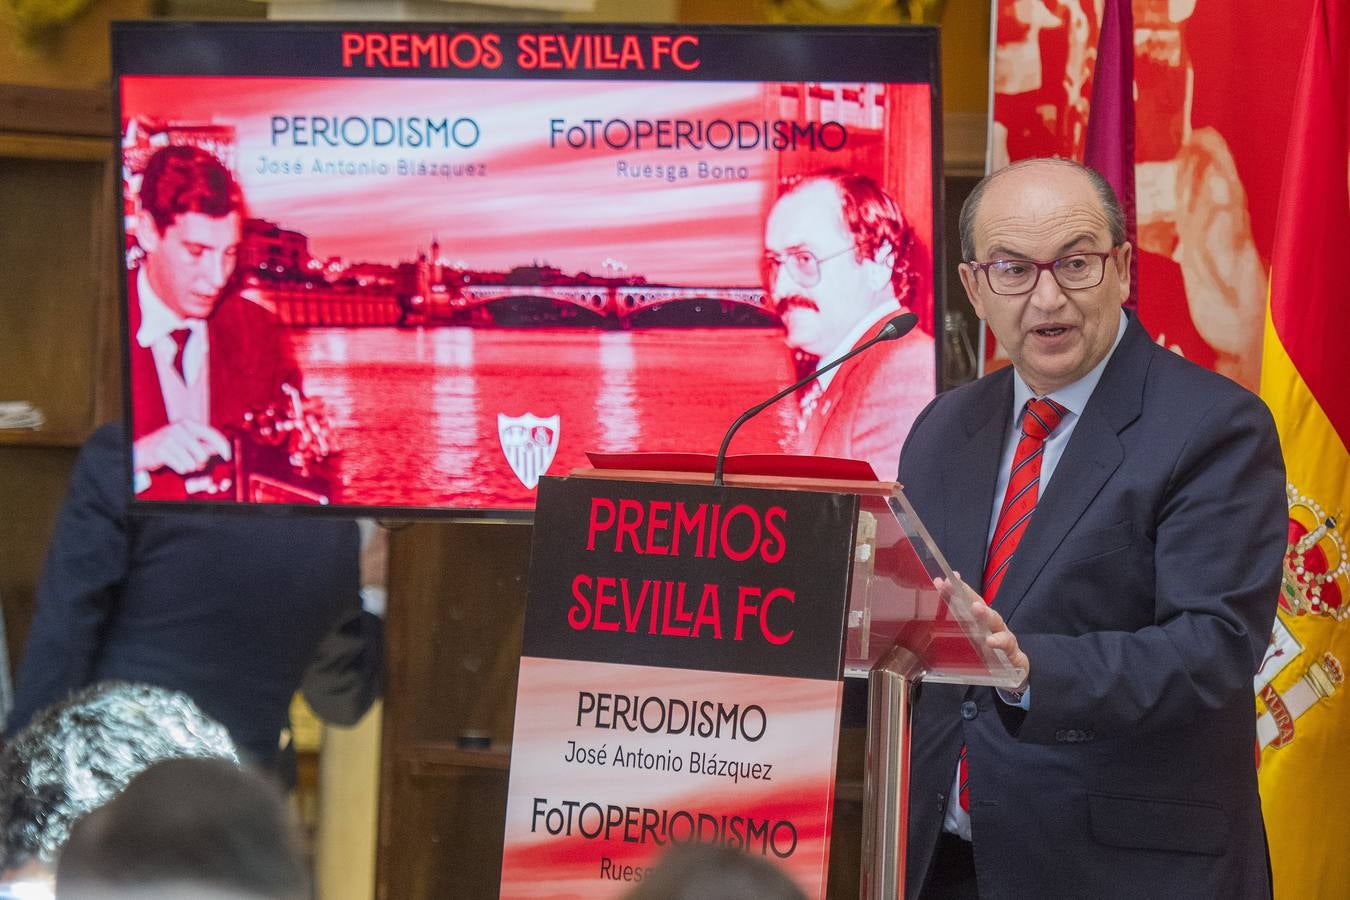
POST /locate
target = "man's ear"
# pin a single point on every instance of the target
(147, 233)
(970, 280)
(1123, 269)
(880, 266)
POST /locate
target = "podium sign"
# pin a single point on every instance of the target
(680, 681)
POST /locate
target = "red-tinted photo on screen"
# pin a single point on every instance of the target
(421, 276)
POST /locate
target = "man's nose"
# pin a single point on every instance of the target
(1047, 294)
(218, 269)
(783, 284)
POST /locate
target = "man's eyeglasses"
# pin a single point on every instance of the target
(1075, 272)
(803, 266)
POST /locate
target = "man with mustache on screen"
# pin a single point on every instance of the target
(201, 355)
(839, 263)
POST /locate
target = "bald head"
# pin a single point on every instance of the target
(1041, 167)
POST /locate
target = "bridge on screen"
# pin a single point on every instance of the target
(603, 305)
(607, 300)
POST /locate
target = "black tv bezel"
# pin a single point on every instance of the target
(900, 54)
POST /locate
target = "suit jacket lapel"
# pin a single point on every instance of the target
(970, 474)
(820, 416)
(1093, 454)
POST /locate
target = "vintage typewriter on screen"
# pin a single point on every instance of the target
(281, 453)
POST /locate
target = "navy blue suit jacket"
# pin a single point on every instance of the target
(228, 609)
(1143, 592)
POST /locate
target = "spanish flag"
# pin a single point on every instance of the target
(1303, 701)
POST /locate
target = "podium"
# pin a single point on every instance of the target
(854, 568)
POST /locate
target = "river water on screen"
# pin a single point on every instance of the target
(416, 410)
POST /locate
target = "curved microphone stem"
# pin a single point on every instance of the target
(897, 327)
(751, 413)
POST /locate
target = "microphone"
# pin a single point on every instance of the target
(899, 326)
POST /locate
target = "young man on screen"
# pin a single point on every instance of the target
(838, 262)
(202, 355)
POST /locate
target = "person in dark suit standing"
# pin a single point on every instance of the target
(839, 262)
(201, 353)
(237, 612)
(1122, 511)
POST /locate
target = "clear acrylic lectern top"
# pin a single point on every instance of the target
(892, 601)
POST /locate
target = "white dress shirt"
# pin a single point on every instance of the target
(186, 397)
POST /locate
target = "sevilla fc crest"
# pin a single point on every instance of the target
(529, 443)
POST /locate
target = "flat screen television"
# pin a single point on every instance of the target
(403, 268)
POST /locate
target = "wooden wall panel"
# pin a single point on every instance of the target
(52, 293)
(456, 610)
(76, 55)
(846, 828)
(449, 842)
(58, 314)
(32, 485)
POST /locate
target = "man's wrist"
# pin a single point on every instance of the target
(1020, 698)
(374, 599)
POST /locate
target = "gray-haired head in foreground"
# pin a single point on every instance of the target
(1115, 214)
(78, 754)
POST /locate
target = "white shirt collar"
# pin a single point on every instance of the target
(886, 309)
(157, 320)
(1073, 397)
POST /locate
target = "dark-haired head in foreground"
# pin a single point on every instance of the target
(187, 828)
(715, 872)
(78, 754)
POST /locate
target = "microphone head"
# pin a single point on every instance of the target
(899, 326)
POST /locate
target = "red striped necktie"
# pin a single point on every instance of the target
(1041, 419)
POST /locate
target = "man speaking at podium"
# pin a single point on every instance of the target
(1123, 513)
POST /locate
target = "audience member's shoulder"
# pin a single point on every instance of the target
(108, 438)
(101, 469)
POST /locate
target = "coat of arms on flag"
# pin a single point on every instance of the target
(529, 443)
